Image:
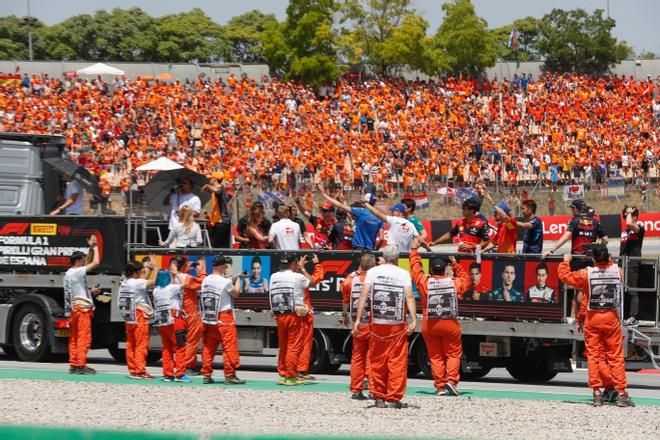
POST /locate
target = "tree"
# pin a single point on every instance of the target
(303, 47)
(410, 46)
(125, 34)
(527, 35)
(647, 55)
(13, 38)
(190, 37)
(575, 41)
(371, 25)
(464, 40)
(245, 35)
(74, 38)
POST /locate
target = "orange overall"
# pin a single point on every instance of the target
(173, 354)
(360, 353)
(191, 287)
(290, 343)
(441, 336)
(137, 344)
(80, 336)
(307, 324)
(214, 334)
(602, 334)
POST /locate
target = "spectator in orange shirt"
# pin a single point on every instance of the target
(505, 239)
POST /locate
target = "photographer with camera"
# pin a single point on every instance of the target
(217, 310)
(182, 195)
(632, 239)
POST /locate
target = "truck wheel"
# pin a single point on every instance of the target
(474, 373)
(30, 333)
(420, 361)
(118, 354)
(530, 370)
(154, 356)
(10, 352)
(319, 361)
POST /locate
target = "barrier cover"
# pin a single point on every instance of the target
(508, 288)
(44, 244)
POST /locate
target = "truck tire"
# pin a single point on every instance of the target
(420, 361)
(10, 352)
(474, 373)
(319, 361)
(119, 355)
(530, 370)
(30, 333)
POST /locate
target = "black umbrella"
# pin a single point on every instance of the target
(166, 182)
(78, 172)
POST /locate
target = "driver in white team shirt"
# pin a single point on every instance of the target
(401, 232)
(179, 197)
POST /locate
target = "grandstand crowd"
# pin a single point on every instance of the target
(278, 135)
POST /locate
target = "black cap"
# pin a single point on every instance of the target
(219, 260)
(578, 204)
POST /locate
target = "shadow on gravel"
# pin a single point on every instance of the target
(432, 393)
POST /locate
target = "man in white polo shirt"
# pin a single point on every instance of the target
(401, 232)
(284, 233)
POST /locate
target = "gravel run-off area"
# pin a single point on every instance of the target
(211, 410)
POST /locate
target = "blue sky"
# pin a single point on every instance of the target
(636, 19)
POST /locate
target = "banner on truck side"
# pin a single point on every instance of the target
(44, 244)
(504, 288)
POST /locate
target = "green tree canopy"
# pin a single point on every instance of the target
(303, 47)
(463, 39)
(527, 36)
(190, 36)
(245, 34)
(371, 35)
(576, 41)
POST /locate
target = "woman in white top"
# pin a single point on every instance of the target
(184, 234)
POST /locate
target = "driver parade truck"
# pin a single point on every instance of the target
(531, 339)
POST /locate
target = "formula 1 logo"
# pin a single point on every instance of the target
(336, 266)
(14, 229)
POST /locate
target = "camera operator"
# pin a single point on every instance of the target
(182, 195)
(632, 239)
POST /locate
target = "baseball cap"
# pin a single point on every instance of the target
(370, 198)
(218, 175)
(219, 260)
(578, 204)
(399, 207)
(327, 206)
(503, 207)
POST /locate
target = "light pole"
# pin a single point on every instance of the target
(29, 22)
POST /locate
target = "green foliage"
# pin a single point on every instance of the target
(647, 55)
(303, 47)
(190, 36)
(463, 39)
(372, 34)
(576, 41)
(13, 38)
(245, 34)
(527, 31)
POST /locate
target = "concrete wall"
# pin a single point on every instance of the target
(639, 69)
(133, 70)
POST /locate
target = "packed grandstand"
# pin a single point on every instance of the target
(275, 134)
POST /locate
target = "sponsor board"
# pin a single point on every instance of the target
(36, 244)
